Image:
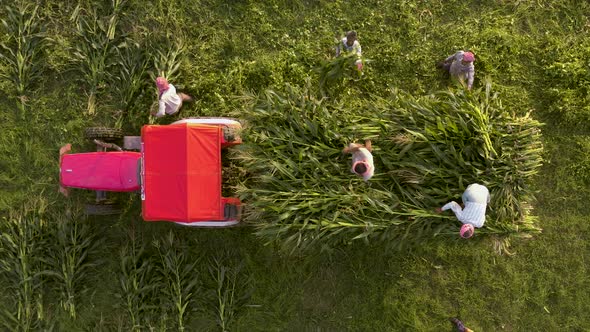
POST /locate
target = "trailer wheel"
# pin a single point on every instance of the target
(231, 211)
(103, 133)
(102, 209)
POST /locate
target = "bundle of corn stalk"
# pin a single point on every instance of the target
(300, 189)
(335, 70)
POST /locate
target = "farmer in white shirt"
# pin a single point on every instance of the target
(351, 45)
(169, 102)
(362, 159)
(460, 66)
(475, 198)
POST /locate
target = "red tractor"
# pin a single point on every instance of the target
(177, 170)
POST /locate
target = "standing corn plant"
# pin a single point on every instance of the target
(96, 45)
(168, 56)
(132, 63)
(179, 278)
(23, 243)
(230, 288)
(69, 263)
(426, 150)
(139, 284)
(22, 52)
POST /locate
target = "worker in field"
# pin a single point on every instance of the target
(459, 325)
(362, 159)
(169, 102)
(350, 45)
(473, 212)
(460, 66)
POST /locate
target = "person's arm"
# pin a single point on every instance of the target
(351, 148)
(161, 109)
(368, 145)
(338, 50)
(456, 208)
(359, 52)
(470, 76)
(450, 58)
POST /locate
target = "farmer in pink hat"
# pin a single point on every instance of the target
(362, 159)
(460, 66)
(169, 102)
(473, 214)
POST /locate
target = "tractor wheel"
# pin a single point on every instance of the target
(104, 209)
(103, 133)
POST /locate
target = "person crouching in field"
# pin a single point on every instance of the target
(460, 66)
(362, 159)
(459, 325)
(475, 199)
(169, 102)
(351, 45)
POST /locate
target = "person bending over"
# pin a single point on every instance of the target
(473, 214)
(362, 159)
(169, 102)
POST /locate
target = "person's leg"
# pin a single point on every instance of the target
(185, 97)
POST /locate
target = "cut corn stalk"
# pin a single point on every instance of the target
(427, 150)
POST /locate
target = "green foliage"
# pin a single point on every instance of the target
(179, 280)
(24, 244)
(69, 262)
(168, 57)
(568, 79)
(93, 52)
(23, 51)
(139, 284)
(132, 84)
(231, 288)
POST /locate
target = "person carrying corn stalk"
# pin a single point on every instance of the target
(351, 45)
(460, 326)
(460, 66)
(362, 159)
(473, 213)
(169, 102)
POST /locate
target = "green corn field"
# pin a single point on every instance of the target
(318, 248)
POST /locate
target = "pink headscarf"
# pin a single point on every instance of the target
(162, 84)
(467, 231)
(362, 162)
(468, 56)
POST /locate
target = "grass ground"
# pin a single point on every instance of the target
(534, 51)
